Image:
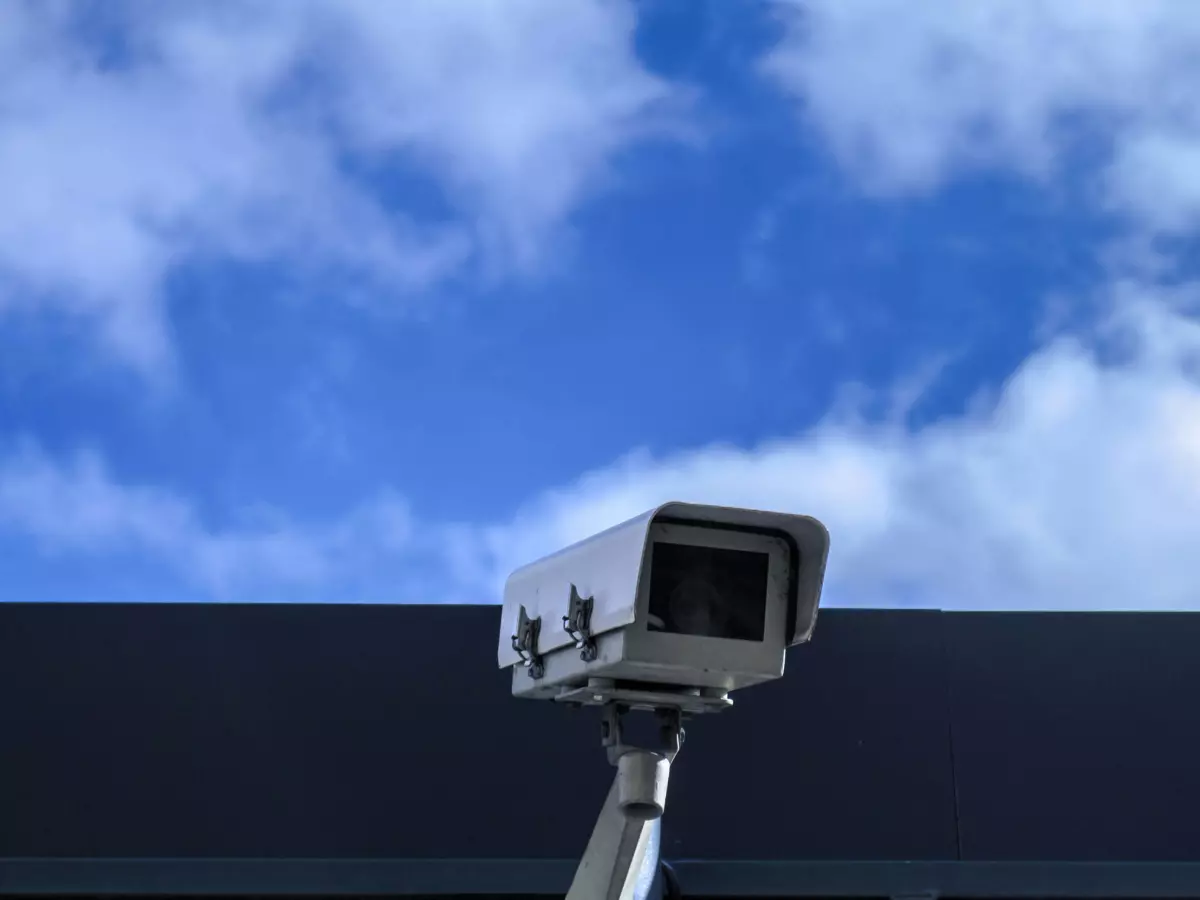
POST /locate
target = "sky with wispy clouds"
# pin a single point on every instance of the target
(373, 300)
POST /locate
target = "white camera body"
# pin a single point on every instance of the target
(678, 606)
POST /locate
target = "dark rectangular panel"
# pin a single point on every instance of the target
(1076, 736)
(340, 732)
(500, 879)
(846, 757)
(947, 880)
(279, 731)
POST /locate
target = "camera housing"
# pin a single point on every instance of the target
(676, 607)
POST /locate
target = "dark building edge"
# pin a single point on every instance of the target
(495, 878)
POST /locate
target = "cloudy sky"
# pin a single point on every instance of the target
(372, 300)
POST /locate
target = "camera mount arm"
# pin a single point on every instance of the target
(621, 858)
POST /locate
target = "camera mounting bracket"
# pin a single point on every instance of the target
(622, 854)
(603, 692)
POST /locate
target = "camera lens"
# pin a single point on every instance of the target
(695, 605)
(708, 591)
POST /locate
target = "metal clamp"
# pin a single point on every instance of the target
(612, 736)
(578, 624)
(525, 642)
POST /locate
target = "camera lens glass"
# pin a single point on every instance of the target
(708, 591)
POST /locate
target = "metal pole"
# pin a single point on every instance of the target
(621, 859)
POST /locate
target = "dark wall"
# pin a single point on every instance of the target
(1076, 736)
(340, 731)
(274, 731)
(844, 758)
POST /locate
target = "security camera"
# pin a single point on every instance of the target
(673, 609)
(668, 612)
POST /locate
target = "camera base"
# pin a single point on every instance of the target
(605, 692)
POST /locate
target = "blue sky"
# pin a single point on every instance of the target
(354, 300)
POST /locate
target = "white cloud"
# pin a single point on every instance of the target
(221, 129)
(76, 507)
(911, 95)
(136, 135)
(1079, 488)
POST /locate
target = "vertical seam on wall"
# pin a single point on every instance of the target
(948, 696)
